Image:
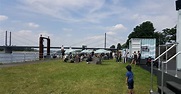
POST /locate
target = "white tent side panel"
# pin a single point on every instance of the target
(134, 45)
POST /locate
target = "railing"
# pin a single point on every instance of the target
(21, 57)
(175, 44)
(166, 68)
(18, 57)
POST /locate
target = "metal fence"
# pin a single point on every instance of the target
(18, 57)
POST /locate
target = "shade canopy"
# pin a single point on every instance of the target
(102, 51)
(86, 51)
(70, 50)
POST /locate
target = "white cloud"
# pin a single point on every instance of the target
(118, 27)
(161, 13)
(86, 18)
(115, 29)
(111, 33)
(3, 17)
(62, 9)
(24, 37)
(33, 25)
(160, 22)
(30, 38)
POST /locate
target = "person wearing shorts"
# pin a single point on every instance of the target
(129, 79)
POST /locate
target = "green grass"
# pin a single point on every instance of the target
(56, 77)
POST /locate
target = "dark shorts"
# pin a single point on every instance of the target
(131, 85)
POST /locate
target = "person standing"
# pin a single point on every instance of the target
(120, 56)
(134, 58)
(129, 79)
(125, 56)
(139, 57)
(62, 52)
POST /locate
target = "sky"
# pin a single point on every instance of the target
(81, 22)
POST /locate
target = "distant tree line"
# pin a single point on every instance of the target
(147, 30)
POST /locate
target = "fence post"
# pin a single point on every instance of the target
(24, 57)
(162, 78)
(159, 59)
(11, 57)
(166, 60)
(151, 90)
(35, 57)
(176, 71)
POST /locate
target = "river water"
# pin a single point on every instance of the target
(18, 57)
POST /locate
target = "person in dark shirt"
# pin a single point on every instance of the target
(129, 79)
(139, 57)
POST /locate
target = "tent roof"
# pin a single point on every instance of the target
(102, 51)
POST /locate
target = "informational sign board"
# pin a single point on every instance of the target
(147, 47)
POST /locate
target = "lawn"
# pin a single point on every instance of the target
(57, 77)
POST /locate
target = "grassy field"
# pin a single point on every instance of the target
(57, 77)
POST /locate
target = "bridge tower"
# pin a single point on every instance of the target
(8, 48)
(41, 47)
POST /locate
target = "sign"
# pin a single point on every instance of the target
(145, 49)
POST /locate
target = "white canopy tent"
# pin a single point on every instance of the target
(70, 50)
(86, 51)
(102, 51)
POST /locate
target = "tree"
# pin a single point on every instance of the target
(113, 46)
(170, 34)
(124, 45)
(166, 36)
(160, 38)
(119, 46)
(144, 30)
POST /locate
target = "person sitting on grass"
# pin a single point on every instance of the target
(129, 79)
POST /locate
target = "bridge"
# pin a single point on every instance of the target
(95, 48)
(9, 48)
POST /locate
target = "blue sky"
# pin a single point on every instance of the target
(81, 22)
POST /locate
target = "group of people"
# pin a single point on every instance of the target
(136, 57)
(119, 55)
(88, 57)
